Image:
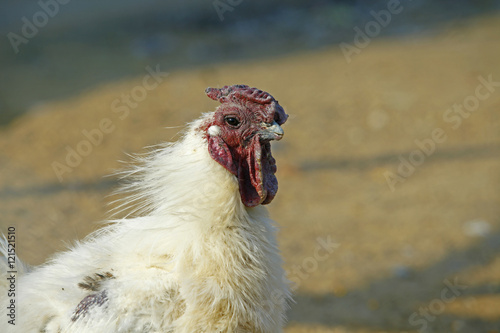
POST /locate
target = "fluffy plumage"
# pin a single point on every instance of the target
(198, 254)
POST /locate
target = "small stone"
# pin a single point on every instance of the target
(401, 271)
(477, 228)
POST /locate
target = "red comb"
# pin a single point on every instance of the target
(243, 95)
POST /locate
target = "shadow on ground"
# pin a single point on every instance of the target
(415, 301)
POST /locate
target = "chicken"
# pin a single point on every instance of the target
(199, 252)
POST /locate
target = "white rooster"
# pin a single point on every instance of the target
(199, 256)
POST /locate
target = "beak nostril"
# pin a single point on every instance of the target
(272, 131)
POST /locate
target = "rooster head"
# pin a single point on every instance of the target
(239, 138)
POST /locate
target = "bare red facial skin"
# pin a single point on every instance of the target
(241, 149)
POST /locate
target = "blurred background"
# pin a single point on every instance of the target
(390, 165)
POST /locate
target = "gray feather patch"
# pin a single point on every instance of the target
(88, 302)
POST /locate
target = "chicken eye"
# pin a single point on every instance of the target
(232, 121)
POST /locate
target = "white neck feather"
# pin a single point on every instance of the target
(181, 179)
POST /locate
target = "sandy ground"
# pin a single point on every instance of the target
(422, 255)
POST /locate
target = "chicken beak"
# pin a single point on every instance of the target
(271, 132)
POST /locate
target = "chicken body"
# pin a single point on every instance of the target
(196, 259)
